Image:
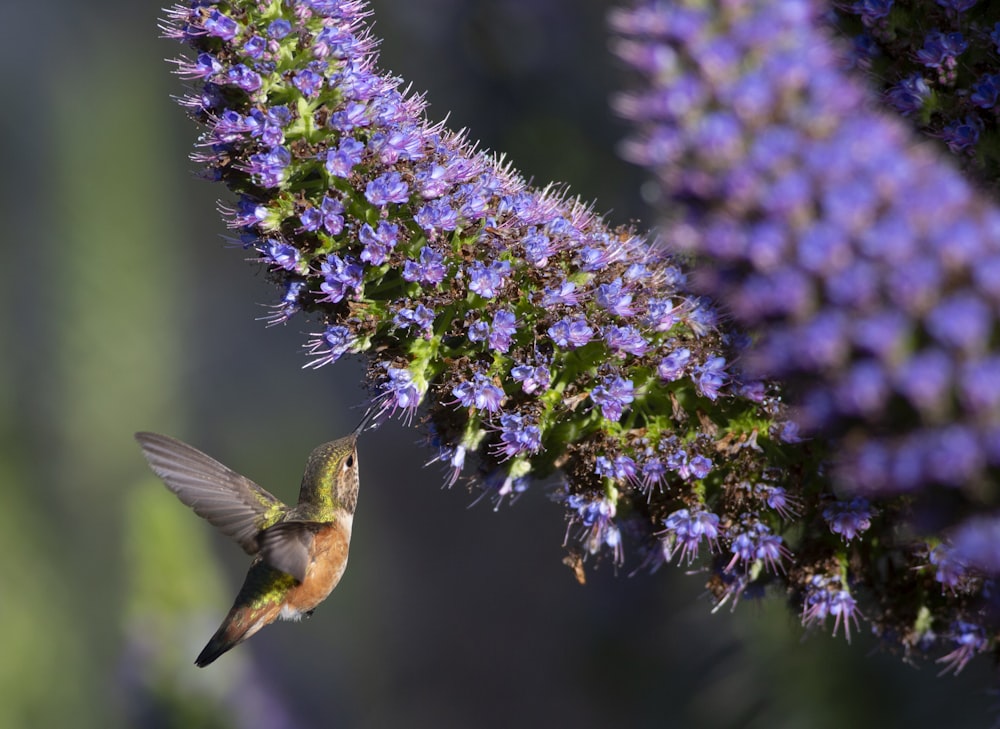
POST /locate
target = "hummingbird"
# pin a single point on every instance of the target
(300, 552)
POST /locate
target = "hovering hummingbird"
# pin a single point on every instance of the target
(300, 552)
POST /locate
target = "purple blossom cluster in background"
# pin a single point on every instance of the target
(535, 342)
(867, 264)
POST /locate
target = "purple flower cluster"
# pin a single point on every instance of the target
(826, 596)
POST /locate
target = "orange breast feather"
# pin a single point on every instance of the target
(329, 560)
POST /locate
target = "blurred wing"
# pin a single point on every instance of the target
(233, 503)
(285, 546)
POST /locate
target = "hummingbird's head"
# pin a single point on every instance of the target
(333, 468)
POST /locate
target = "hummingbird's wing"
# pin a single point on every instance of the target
(285, 546)
(233, 503)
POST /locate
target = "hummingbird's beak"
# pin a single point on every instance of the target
(369, 415)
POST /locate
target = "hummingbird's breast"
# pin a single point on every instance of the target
(329, 560)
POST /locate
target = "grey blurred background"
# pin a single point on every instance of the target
(123, 310)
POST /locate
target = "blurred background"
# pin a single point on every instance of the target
(123, 310)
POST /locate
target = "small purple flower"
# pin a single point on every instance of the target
(340, 275)
(962, 135)
(387, 188)
(777, 498)
(480, 393)
(289, 305)
(700, 466)
(672, 366)
(685, 531)
(517, 436)
(282, 254)
(621, 468)
(308, 82)
(591, 258)
(848, 518)
(844, 609)
(612, 395)
(909, 95)
(500, 483)
(432, 182)
(653, 471)
(269, 126)
(221, 26)
(205, 66)
(962, 321)
(354, 116)
(329, 216)
(771, 550)
(532, 378)
(626, 469)
(404, 143)
(756, 542)
(970, 639)
(487, 281)
(627, 340)
(279, 28)
(940, 49)
(537, 248)
(710, 377)
(421, 316)
(661, 315)
(456, 460)
(478, 331)
(678, 463)
(340, 161)
(788, 432)
(925, 379)
(951, 571)
(615, 298)
(564, 295)
(331, 345)
(437, 215)
(429, 269)
(268, 168)
(378, 242)
(571, 333)
(985, 91)
(504, 328)
(400, 392)
(243, 77)
(825, 596)
(597, 516)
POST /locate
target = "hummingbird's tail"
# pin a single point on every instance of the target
(240, 624)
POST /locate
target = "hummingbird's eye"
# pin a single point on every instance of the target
(349, 462)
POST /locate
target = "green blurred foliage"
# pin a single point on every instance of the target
(123, 310)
